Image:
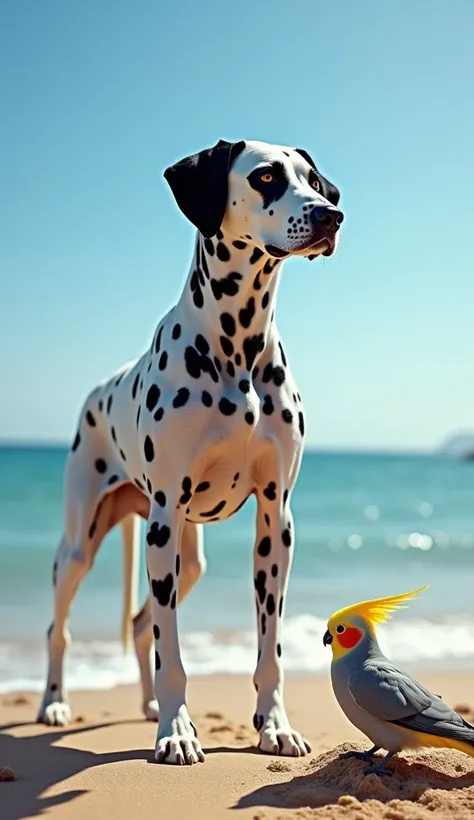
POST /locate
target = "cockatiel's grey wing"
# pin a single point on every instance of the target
(385, 691)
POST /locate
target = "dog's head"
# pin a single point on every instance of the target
(269, 195)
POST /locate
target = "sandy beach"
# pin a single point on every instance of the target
(102, 765)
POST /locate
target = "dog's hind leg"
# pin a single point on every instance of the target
(87, 522)
(193, 566)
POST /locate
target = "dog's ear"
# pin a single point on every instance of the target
(306, 156)
(200, 185)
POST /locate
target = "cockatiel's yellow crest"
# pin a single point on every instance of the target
(376, 611)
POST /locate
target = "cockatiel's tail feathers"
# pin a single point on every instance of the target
(377, 611)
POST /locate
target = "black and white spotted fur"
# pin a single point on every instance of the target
(208, 416)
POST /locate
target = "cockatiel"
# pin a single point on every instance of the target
(381, 699)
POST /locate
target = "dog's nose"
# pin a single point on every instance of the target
(328, 216)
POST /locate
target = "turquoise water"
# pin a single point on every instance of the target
(366, 525)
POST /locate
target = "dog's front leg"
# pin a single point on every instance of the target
(177, 738)
(272, 562)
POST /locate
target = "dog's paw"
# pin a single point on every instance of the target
(150, 710)
(278, 738)
(177, 740)
(57, 713)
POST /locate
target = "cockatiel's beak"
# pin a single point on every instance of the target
(327, 638)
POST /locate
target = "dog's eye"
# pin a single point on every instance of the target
(266, 177)
(314, 182)
(340, 629)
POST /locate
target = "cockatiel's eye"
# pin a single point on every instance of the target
(340, 629)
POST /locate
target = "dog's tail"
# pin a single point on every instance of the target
(131, 564)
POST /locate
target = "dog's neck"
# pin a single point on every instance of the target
(230, 292)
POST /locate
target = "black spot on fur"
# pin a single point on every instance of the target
(202, 487)
(249, 417)
(268, 406)
(253, 345)
(301, 423)
(287, 415)
(112, 480)
(264, 623)
(226, 407)
(206, 398)
(76, 442)
(280, 607)
(156, 631)
(201, 344)
(162, 589)
(283, 357)
(209, 246)
(157, 661)
(244, 386)
(160, 498)
(54, 687)
(265, 300)
(195, 286)
(109, 404)
(176, 332)
(90, 419)
(247, 313)
(187, 494)
(238, 359)
(227, 346)
(158, 536)
(182, 397)
(149, 449)
(257, 285)
(139, 484)
(148, 486)
(178, 564)
(265, 546)
(286, 538)
(122, 455)
(279, 650)
(222, 252)
(159, 414)
(152, 397)
(113, 434)
(267, 519)
(278, 376)
(158, 340)
(271, 604)
(215, 511)
(227, 323)
(100, 465)
(267, 374)
(239, 244)
(270, 491)
(260, 584)
(256, 255)
(135, 386)
(163, 360)
(258, 722)
(173, 600)
(274, 570)
(285, 496)
(227, 286)
(198, 363)
(100, 405)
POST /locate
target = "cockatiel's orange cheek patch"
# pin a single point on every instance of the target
(350, 637)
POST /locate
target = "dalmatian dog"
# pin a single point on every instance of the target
(208, 416)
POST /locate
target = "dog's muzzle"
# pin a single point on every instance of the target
(326, 221)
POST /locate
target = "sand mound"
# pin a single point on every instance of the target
(424, 784)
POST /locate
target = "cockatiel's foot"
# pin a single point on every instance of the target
(367, 756)
(379, 767)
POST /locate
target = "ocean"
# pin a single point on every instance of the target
(366, 525)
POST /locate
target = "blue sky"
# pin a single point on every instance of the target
(99, 97)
